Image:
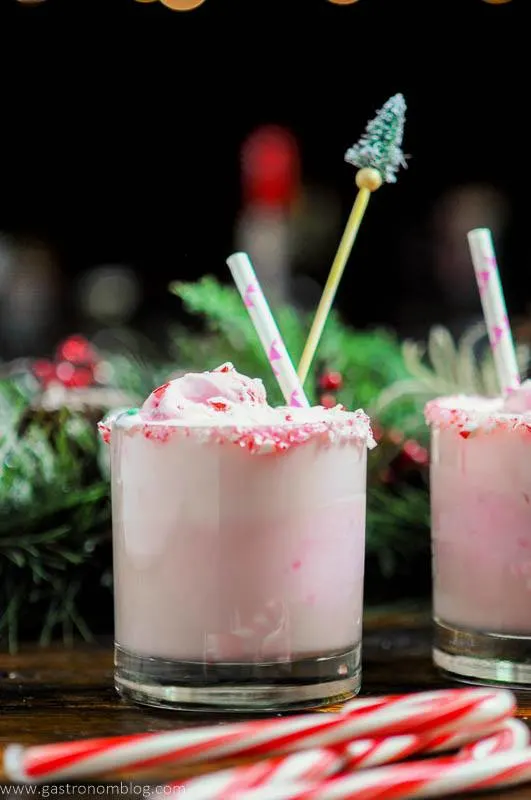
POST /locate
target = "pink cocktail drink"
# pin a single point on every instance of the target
(239, 539)
(481, 536)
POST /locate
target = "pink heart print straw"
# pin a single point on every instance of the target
(449, 711)
(494, 309)
(267, 330)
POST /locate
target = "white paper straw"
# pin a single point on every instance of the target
(494, 309)
(266, 328)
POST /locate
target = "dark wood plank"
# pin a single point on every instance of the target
(59, 694)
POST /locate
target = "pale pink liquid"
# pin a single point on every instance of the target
(481, 530)
(223, 555)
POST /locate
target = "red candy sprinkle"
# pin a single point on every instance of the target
(105, 432)
(218, 405)
(160, 392)
(464, 434)
(156, 434)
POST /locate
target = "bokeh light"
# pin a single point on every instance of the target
(182, 5)
(109, 294)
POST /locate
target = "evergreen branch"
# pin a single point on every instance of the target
(54, 513)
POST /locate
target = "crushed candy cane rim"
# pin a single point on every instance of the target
(468, 414)
(336, 427)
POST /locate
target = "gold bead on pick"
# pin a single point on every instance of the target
(368, 178)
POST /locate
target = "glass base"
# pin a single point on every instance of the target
(274, 686)
(483, 658)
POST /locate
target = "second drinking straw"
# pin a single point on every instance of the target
(494, 309)
(266, 328)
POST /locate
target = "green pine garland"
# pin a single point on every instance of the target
(54, 516)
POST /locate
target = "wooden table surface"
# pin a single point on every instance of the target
(60, 694)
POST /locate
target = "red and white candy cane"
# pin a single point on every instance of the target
(436, 778)
(510, 735)
(306, 766)
(450, 711)
(221, 785)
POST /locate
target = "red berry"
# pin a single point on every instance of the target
(74, 377)
(328, 401)
(65, 372)
(331, 381)
(82, 378)
(416, 452)
(44, 370)
(77, 350)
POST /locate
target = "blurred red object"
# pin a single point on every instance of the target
(77, 350)
(271, 168)
(74, 366)
(328, 401)
(331, 381)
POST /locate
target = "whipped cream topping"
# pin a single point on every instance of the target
(225, 406)
(204, 396)
(470, 414)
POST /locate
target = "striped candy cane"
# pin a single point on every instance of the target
(475, 743)
(320, 764)
(443, 712)
(408, 781)
(306, 766)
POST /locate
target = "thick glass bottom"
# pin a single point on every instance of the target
(482, 658)
(237, 687)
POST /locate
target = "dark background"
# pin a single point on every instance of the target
(121, 129)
